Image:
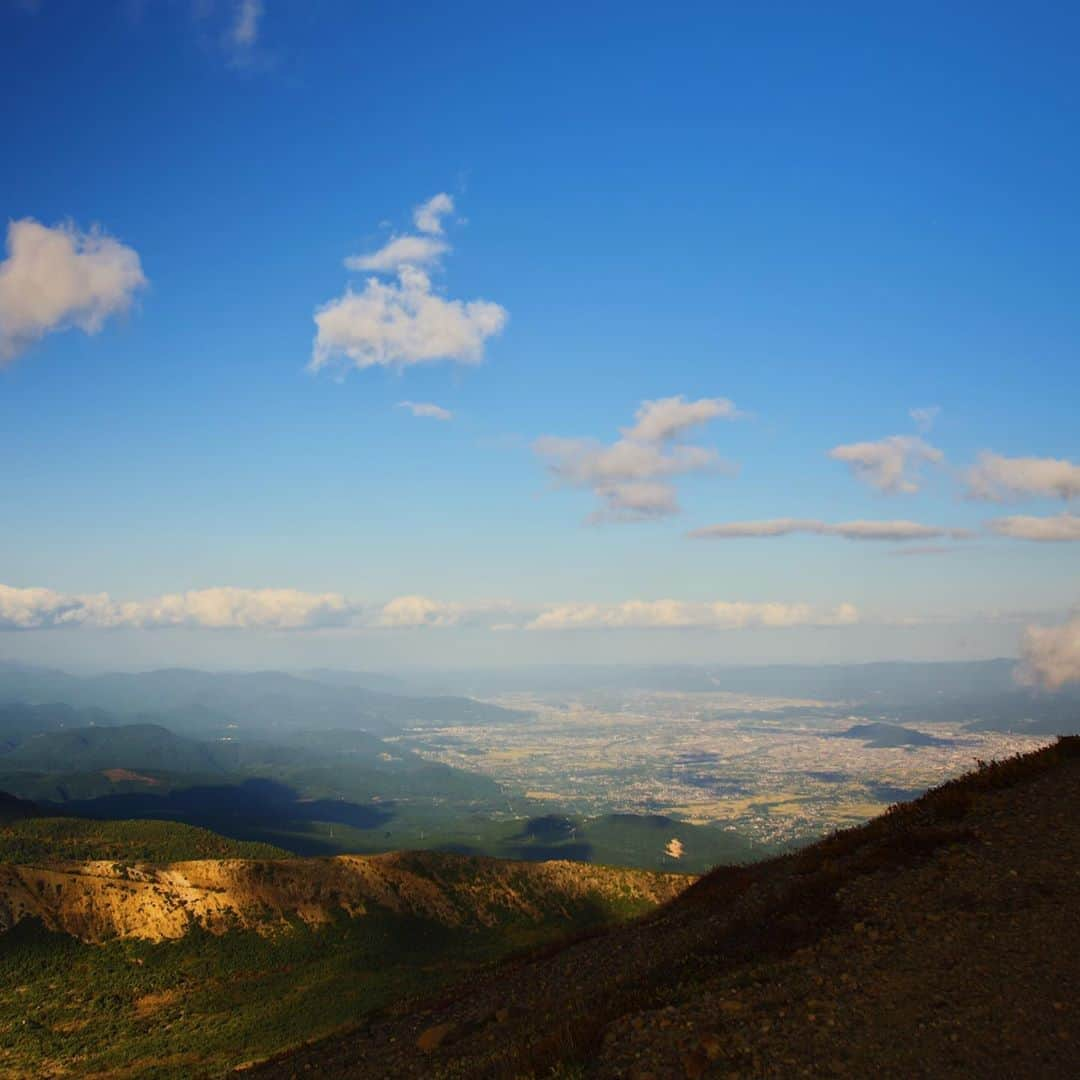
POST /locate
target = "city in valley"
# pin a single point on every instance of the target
(775, 770)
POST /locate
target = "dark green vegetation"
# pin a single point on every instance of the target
(201, 1005)
(937, 940)
(13, 809)
(46, 839)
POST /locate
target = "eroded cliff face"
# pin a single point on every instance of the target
(95, 901)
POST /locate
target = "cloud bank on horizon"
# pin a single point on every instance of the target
(233, 608)
(1050, 655)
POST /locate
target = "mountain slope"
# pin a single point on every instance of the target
(99, 900)
(190, 968)
(937, 940)
(130, 746)
(32, 838)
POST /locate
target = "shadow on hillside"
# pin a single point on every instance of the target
(551, 836)
(256, 809)
(544, 852)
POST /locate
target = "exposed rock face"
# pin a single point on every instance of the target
(95, 901)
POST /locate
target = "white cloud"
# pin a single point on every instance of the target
(849, 530)
(59, 278)
(426, 409)
(588, 463)
(631, 476)
(398, 252)
(244, 31)
(428, 215)
(634, 502)
(224, 608)
(398, 325)
(1050, 655)
(682, 615)
(665, 418)
(925, 418)
(890, 464)
(1062, 527)
(403, 322)
(230, 608)
(413, 612)
(996, 478)
(33, 609)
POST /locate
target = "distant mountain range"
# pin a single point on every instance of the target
(267, 701)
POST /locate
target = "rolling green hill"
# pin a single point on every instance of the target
(48, 839)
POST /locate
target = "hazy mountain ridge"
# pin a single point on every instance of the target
(265, 700)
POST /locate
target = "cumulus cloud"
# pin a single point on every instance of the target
(1050, 655)
(427, 409)
(60, 278)
(224, 608)
(849, 530)
(401, 324)
(995, 478)
(428, 215)
(631, 477)
(682, 615)
(890, 464)
(1061, 527)
(400, 251)
(925, 418)
(404, 321)
(666, 418)
(34, 609)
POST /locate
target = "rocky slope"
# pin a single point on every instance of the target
(938, 940)
(95, 901)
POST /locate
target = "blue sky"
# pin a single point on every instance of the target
(826, 216)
